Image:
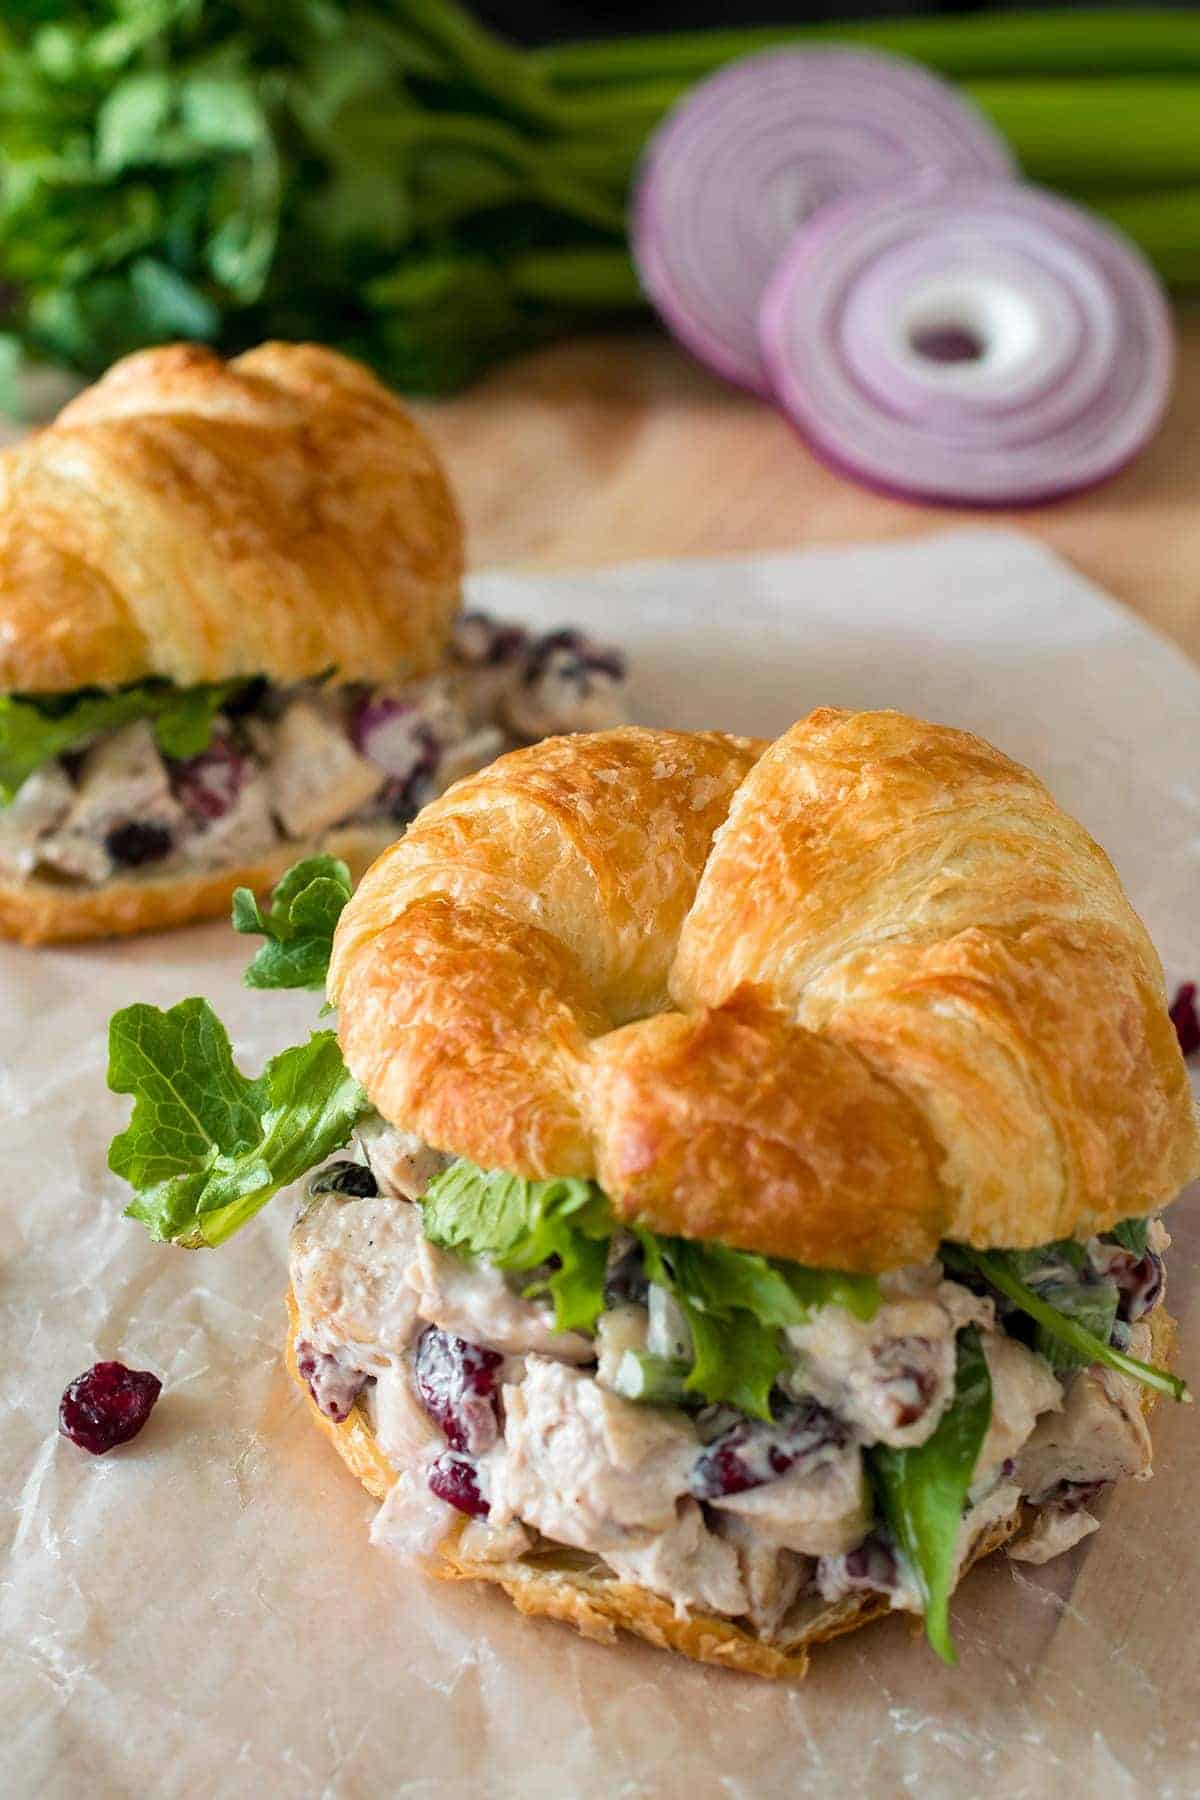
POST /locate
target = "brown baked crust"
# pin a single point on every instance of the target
(562, 1586)
(44, 912)
(280, 514)
(901, 996)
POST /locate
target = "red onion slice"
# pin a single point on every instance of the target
(752, 153)
(975, 342)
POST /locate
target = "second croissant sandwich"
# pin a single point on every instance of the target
(229, 634)
(754, 1212)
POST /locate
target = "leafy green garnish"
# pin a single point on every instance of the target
(206, 1146)
(1053, 1273)
(736, 1303)
(555, 1230)
(1131, 1234)
(922, 1491)
(298, 925)
(37, 728)
(392, 177)
(1070, 1333)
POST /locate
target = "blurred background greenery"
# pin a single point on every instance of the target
(400, 179)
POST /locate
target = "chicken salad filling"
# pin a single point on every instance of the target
(740, 1434)
(155, 779)
(494, 1396)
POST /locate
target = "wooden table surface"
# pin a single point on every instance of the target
(608, 450)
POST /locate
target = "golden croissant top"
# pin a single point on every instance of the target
(832, 999)
(280, 514)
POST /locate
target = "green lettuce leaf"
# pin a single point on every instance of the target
(736, 1302)
(1131, 1234)
(524, 1225)
(36, 729)
(922, 1491)
(206, 1146)
(298, 925)
(1070, 1334)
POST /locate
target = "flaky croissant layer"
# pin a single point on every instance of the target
(834, 999)
(281, 514)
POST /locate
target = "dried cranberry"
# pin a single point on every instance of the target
(332, 1385)
(1138, 1279)
(138, 841)
(573, 656)
(1186, 1019)
(456, 1382)
(107, 1405)
(455, 1480)
(1142, 1287)
(485, 642)
(755, 1451)
(872, 1565)
(207, 786)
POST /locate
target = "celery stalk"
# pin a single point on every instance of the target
(1070, 41)
(1109, 135)
(1165, 226)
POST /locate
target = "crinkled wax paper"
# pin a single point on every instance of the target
(201, 1613)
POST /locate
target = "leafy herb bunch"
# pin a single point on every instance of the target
(390, 177)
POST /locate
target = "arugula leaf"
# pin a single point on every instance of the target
(36, 728)
(1092, 1305)
(1070, 1333)
(525, 1225)
(206, 1146)
(298, 925)
(1055, 1273)
(1131, 1234)
(922, 1491)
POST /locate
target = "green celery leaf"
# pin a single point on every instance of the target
(923, 1491)
(206, 1147)
(298, 925)
(37, 728)
(521, 1225)
(1070, 1333)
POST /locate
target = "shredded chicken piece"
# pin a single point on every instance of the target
(892, 1376)
(317, 776)
(773, 1578)
(473, 1300)
(1054, 1530)
(349, 1263)
(687, 1563)
(1101, 1433)
(584, 1466)
(817, 1509)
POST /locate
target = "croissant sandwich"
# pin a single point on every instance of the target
(752, 1218)
(229, 634)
